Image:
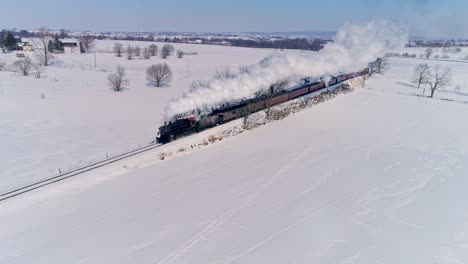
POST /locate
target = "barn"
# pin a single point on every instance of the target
(71, 45)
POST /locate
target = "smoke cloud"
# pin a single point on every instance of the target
(354, 47)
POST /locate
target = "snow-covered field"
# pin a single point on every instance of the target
(81, 119)
(374, 176)
(399, 79)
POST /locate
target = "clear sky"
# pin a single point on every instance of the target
(421, 17)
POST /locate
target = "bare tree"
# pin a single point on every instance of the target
(39, 69)
(421, 74)
(380, 66)
(166, 50)
(171, 48)
(224, 74)
(197, 84)
(279, 86)
(428, 53)
(251, 107)
(159, 73)
(180, 54)
(146, 54)
(24, 66)
(441, 77)
(153, 50)
(265, 62)
(137, 51)
(87, 41)
(41, 49)
(244, 69)
(117, 80)
(246, 112)
(273, 90)
(118, 49)
(130, 52)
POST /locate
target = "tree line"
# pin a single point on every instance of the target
(286, 43)
(289, 43)
(131, 51)
(31, 34)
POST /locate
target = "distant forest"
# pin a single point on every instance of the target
(287, 43)
(284, 43)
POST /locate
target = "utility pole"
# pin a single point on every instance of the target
(187, 54)
(95, 64)
(187, 67)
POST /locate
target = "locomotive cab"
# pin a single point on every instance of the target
(174, 129)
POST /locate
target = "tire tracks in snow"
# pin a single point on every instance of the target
(304, 219)
(375, 141)
(212, 226)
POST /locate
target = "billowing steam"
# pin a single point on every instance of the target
(354, 47)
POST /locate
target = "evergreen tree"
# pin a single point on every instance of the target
(9, 41)
(58, 46)
(50, 46)
(82, 50)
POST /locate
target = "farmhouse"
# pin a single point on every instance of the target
(24, 46)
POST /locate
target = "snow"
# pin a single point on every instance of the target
(399, 79)
(81, 120)
(373, 176)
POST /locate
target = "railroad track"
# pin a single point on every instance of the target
(73, 173)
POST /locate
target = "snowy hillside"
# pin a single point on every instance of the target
(374, 176)
(81, 119)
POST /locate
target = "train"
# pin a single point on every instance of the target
(170, 131)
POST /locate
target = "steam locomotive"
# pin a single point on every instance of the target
(172, 130)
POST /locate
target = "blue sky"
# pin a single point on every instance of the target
(421, 17)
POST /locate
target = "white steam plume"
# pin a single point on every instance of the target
(354, 47)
